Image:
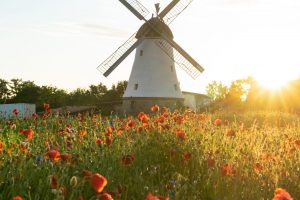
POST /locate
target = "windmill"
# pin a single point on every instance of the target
(153, 78)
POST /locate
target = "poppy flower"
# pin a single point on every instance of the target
(87, 173)
(53, 154)
(186, 156)
(281, 194)
(128, 159)
(150, 196)
(218, 122)
(181, 134)
(65, 156)
(16, 111)
(258, 167)
(34, 115)
(210, 162)
(105, 196)
(1, 146)
(98, 141)
(82, 132)
(230, 132)
(227, 170)
(108, 141)
(53, 182)
(28, 133)
(98, 182)
(46, 106)
(155, 108)
(297, 142)
(80, 198)
(160, 119)
(17, 198)
(131, 123)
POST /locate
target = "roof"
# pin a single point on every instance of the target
(196, 94)
(159, 26)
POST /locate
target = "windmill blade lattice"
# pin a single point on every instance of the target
(136, 8)
(119, 55)
(168, 17)
(194, 70)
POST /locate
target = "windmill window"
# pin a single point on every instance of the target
(136, 86)
(175, 86)
(141, 53)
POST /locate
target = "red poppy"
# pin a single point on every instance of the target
(1, 146)
(53, 154)
(230, 132)
(46, 106)
(186, 156)
(16, 111)
(108, 141)
(80, 198)
(227, 170)
(34, 115)
(98, 182)
(54, 182)
(105, 196)
(258, 167)
(87, 173)
(210, 162)
(155, 108)
(82, 132)
(218, 122)
(128, 159)
(160, 119)
(17, 198)
(297, 142)
(98, 141)
(181, 134)
(150, 196)
(28, 133)
(131, 123)
(281, 194)
(65, 156)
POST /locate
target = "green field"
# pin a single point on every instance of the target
(180, 155)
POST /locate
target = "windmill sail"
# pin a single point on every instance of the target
(136, 8)
(175, 8)
(183, 59)
(119, 55)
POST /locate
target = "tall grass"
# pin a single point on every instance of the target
(247, 156)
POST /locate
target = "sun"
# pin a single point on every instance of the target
(273, 83)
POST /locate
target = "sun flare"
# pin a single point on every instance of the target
(273, 83)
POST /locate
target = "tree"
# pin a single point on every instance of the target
(28, 92)
(4, 91)
(216, 91)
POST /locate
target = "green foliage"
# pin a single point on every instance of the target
(262, 155)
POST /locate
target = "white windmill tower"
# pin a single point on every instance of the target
(153, 78)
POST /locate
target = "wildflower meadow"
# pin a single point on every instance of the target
(156, 155)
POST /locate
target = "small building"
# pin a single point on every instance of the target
(25, 110)
(195, 101)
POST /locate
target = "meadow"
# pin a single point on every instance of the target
(160, 155)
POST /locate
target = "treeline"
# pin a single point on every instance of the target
(248, 94)
(19, 91)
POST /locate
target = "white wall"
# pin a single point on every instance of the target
(26, 110)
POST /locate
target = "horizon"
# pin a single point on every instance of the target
(62, 43)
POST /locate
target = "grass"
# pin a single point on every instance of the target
(184, 156)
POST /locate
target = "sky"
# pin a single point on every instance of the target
(61, 42)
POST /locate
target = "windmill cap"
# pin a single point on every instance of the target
(160, 27)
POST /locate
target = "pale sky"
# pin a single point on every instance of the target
(61, 42)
